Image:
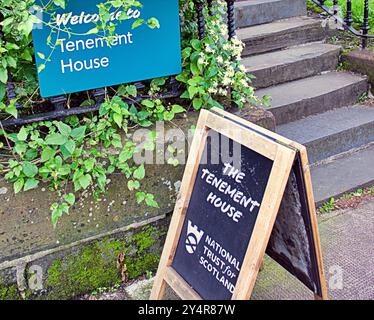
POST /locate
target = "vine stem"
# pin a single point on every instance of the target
(7, 141)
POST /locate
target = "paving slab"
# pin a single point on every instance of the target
(346, 173)
(347, 239)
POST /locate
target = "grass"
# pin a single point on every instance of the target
(328, 206)
(357, 11)
(347, 200)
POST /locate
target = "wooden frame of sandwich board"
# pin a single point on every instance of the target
(278, 149)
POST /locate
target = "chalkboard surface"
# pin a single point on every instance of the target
(221, 215)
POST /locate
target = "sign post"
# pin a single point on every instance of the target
(230, 200)
(72, 55)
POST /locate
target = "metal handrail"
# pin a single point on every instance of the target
(347, 21)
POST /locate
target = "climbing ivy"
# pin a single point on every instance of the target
(79, 153)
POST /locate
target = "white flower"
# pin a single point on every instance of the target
(208, 49)
(222, 92)
(212, 90)
(242, 68)
(224, 30)
(201, 61)
(220, 59)
(226, 81)
(236, 42)
(226, 47)
(244, 83)
(230, 71)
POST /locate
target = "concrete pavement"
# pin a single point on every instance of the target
(347, 238)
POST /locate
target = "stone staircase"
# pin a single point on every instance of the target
(313, 103)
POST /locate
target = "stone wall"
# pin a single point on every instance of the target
(30, 246)
(361, 61)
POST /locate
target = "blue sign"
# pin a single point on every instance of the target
(70, 60)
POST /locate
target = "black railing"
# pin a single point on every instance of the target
(358, 28)
(57, 107)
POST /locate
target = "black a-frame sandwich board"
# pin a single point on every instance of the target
(226, 218)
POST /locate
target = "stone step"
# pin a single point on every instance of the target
(301, 98)
(280, 34)
(291, 64)
(253, 12)
(333, 132)
(343, 174)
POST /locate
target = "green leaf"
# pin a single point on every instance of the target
(70, 198)
(7, 21)
(78, 133)
(177, 109)
(22, 134)
(139, 173)
(194, 69)
(137, 23)
(11, 46)
(149, 146)
(29, 169)
(60, 3)
(11, 62)
(168, 116)
(197, 103)
(212, 72)
(18, 185)
(3, 75)
(101, 181)
(148, 103)
(41, 55)
(30, 184)
(150, 201)
(117, 117)
(56, 139)
(56, 214)
(125, 155)
(173, 161)
(90, 164)
(26, 55)
(25, 27)
(196, 44)
(2, 91)
(192, 91)
(64, 128)
(133, 185)
(140, 196)
(153, 23)
(41, 67)
(93, 31)
(12, 110)
(131, 90)
(85, 181)
(31, 154)
(47, 154)
(68, 148)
